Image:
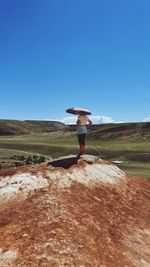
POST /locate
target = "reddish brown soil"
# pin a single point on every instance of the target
(99, 226)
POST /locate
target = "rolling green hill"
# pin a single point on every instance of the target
(15, 127)
(119, 131)
(111, 131)
(128, 143)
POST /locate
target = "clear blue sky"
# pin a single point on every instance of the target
(56, 54)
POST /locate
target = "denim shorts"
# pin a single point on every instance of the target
(81, 138)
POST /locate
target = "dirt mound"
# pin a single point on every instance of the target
(89, 214)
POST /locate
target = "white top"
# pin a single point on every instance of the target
(83, 119)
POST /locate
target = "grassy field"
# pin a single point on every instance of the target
(135, 155)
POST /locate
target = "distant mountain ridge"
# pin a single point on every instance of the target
(131, 130)
(16, 127)
(110, 131)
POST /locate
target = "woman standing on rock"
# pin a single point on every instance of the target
(82, 123)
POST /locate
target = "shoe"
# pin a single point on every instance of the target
(80, 154)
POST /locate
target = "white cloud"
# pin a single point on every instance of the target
(147, 119)
(99, 119)
(94, 119)
(69, 120)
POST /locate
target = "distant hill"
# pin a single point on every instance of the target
(16, 127)
(110, 131)
(133, 131)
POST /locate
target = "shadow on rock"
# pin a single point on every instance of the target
(64, 163)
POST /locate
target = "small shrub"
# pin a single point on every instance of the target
(41, 159)
(29, 160)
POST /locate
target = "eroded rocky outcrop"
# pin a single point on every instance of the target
(74, 212)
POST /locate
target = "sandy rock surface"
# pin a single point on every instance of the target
(74, 212)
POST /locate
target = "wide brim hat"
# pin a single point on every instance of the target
(77, 111)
